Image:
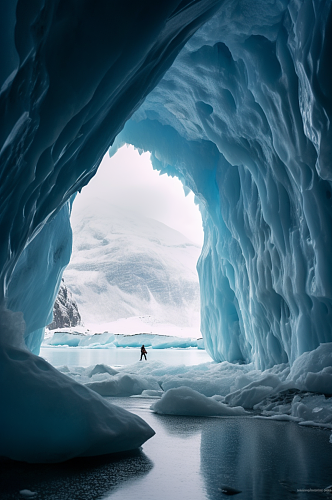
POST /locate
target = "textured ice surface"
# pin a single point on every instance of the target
(70, 76)
(220, 389)
(63, 99)
(125, 265)
(38, 272)
(243, 118)
(49, 417)
(313, 370)
(109, 340)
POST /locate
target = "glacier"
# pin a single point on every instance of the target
(73, 338)
(242, 118)
(125, 265)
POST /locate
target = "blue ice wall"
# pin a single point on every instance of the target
(38, 272)
(243, 119)
(71, 74)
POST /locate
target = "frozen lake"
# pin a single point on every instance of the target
(190, 459)
(73, 356)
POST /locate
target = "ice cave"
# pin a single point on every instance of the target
(231, 96)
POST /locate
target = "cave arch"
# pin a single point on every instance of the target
(241, 118)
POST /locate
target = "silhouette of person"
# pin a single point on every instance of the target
(143, 352)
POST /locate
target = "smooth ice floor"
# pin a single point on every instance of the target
(73, 356)
(190, 459)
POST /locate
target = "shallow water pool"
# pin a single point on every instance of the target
(190, 459)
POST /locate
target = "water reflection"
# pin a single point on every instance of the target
(264, 459)
(190, 459)
(175, 452)
(180, 427)
(79, 479)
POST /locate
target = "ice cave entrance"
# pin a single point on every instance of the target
(136, 242)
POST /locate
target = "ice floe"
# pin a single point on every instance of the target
(221, 389)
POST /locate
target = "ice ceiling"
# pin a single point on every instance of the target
(242, 118)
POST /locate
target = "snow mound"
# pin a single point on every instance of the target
(312, 371)
(122, 384)
(100, 368)
(186, 401)
(40, 405)
(254, 392)
(313, 408)
(270, 393)
(108, 382)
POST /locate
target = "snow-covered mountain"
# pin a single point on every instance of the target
(126, 265)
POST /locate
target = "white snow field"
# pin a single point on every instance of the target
(127, 266)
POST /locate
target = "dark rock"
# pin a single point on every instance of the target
(65, 311)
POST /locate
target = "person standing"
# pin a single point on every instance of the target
(143, 352)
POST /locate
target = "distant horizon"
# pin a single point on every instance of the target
(89, 331)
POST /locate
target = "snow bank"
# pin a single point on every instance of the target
(122, 385)
(107, 381)
(108, 340)
(313, 370)
(278, 393)
(100, 368)
(313, 408)
(254, 392)
(186, 401)
(48, 417)
(151, 394)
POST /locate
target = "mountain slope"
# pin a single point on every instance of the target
(125, 265)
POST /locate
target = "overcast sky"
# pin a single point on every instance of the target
(128, 181)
